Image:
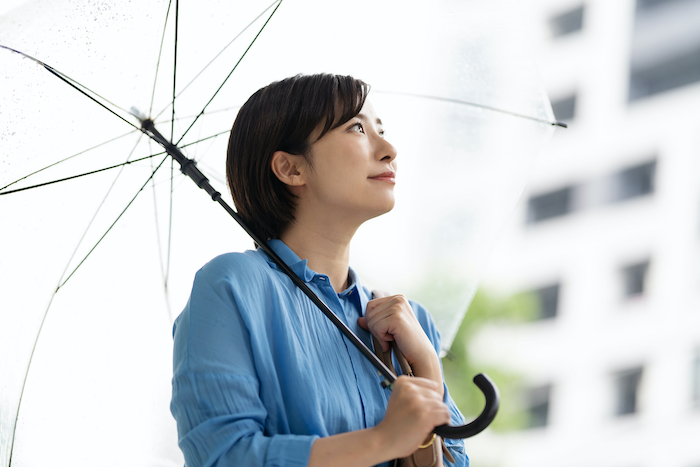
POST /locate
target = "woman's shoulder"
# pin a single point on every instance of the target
(238, 268)
(231, 281)
(249, 261)
(233, 260)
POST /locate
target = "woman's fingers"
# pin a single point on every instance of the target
(362, 321)
(392, 318)
(388, 316)
(415, 409)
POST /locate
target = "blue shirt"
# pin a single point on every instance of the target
(260, 372)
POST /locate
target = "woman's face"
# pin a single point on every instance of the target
(354, 169)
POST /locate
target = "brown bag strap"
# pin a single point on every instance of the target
(385, 357)
(405, 366)
(423, 457)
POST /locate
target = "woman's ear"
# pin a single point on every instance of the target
(289, 168)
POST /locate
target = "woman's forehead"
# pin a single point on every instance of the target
(369, 114)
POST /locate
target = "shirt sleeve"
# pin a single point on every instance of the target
(455, 446)
(215, 401)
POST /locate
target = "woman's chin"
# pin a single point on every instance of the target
(383, 209)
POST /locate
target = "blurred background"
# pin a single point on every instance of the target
(589, 314)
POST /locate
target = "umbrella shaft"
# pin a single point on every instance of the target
(189, 168)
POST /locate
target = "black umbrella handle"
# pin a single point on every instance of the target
(493, 400)
(189, 168)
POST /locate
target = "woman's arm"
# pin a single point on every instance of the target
(415, 408)
(217, 388)
(217, 392)
(411, 327)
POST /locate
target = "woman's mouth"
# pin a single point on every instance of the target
(385, 177)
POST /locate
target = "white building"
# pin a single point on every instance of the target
(609, 236)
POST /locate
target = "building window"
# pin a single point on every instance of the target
(564, 109)
(547, 301)
(627, 391)
(548, 205)
(634, 279)
(696, 378)
(672, 72)
(538, 406)
(567, 23)
(643, 5)
(635, 181)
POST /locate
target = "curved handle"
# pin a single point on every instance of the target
(493, 400)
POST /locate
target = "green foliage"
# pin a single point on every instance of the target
(459, 368)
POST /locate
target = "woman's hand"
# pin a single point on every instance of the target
(391, 318)
(415, 409)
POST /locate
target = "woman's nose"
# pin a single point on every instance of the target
(386, 151)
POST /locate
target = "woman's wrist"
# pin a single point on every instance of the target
(359, 448)
(429, 368)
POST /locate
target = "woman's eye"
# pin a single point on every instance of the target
(358, 127)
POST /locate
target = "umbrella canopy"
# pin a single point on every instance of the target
(451, 80)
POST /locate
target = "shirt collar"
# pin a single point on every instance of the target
(306, 274)
(355, 287)
(290, 258)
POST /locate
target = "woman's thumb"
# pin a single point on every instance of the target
(363, 323)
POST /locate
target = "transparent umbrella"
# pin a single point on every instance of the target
(99, 265)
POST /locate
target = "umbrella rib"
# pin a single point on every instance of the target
(79, 87)
(64, 160)
(211, 112)
(172, 136)
(156, 217)
(211, 172)
(4, 191)
(26, 375)
(473, 104)
(97, 211)
(202, 155)
(160, 53)
(220, 52)
(170, 225)
(231, 72)
(38, 185)
(67, 79)
(113, 223)
(215, 135)
(177, 26)
(48, 307)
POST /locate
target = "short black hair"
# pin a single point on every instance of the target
(282, 117)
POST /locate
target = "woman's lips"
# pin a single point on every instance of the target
(385, 177)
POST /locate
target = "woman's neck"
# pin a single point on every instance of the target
(327, 249)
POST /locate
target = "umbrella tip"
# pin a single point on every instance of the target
(138, 114)
(560, 124)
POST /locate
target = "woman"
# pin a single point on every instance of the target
(261, 376)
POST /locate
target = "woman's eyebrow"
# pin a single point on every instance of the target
(364, 117)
